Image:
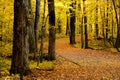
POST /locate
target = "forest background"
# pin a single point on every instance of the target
(96, 22)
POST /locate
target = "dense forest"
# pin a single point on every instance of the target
(40, 39)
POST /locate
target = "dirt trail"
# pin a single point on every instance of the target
(91, 64)
(94, 62)
(86, 55)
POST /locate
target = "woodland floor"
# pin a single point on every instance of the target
(80, 64)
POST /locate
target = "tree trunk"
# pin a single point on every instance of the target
(68, 25)
(52, 31)
(36, 26)
(72, 23)
(82, 40)
(86, 34)
(31, 30)
(85, 25)
(81, 25)
(72, 28)
(107, 20)
(42, 33)
(20, 39)
(96, 24)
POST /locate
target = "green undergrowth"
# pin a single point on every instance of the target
(77, 45)
(6, 49)
(61, 35)
(45, 65)
(97, 46)
(4, 63)
(114, 49)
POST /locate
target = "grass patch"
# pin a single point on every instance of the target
(77, 45)
(99, 45)
(32, 64)
(45, 65)
(61, 35)
(113, 49)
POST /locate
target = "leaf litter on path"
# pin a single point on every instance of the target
(80, 64)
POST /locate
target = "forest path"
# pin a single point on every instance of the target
(86, 56)
(80, 64)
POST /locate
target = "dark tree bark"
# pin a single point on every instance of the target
(85, 25)
(107, 20)
(32, 47)
(112, 27)
(36, 24)
(20, 40)
(72, 28)
(52, 30)
(82, 40)
(86, 34)
(72, 23)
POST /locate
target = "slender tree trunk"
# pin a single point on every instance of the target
(31, 30)
(68, 24)
(36, 25)
(96, 24)
(104, 26)
(112, 26)
(81, 25)
(67, 27)
(20, 40)
(85, 25)
(42, 33)
(82, 40)
(86, 34)
(72, 23)
(107, 19)
(72, 28)
(52, 30)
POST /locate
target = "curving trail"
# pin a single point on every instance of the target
(81, 64)
(98, 57)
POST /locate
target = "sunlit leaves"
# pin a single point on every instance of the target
(6, 23)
